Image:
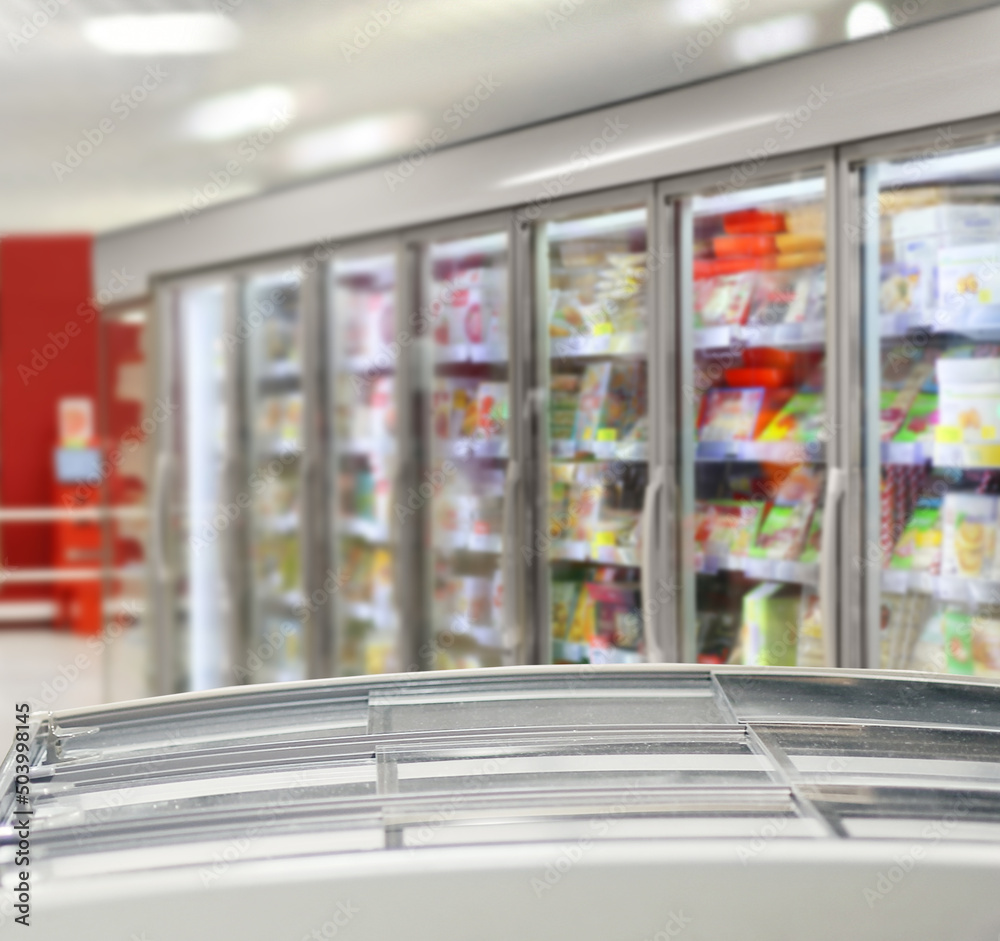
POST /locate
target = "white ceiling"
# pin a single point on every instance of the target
(546, 58)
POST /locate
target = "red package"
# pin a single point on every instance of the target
(753, 222)
(768, 378)
(727, 245)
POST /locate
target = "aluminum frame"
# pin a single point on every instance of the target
(674, 201)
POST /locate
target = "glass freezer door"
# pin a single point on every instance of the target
(273, 488)
(595, 340)
(470, 468)
(361, 327)
(931, 284)
(754, 423)
(192, 547)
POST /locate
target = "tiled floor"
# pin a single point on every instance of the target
(58, 670)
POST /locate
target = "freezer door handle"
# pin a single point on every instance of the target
(161, 488)
(511, 629)
(656, 483)
(827, 562)
(395, 542)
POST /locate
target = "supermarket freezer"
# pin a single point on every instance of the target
(925, 225)
(235, 545)
(760, 418)
(559, 802)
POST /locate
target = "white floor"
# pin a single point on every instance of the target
(51, 669)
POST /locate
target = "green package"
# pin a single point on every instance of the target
(920, 420)
(800, 420)
(919, 546)
(769, 635)
(782, 532)
(813, 545)
(958, 642)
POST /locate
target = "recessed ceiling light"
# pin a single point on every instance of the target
(162, 33)
(363, 139)
(867, 19)
(239, 113)
(696, 12)
(772, 39)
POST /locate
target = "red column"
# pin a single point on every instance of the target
(48, 350)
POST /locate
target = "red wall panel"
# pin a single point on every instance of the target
(48, 350)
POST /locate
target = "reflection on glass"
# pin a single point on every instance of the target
(933, 313)
(470, 449)
(362, 327)
(273, 323)
(598, 434)
(756, 426)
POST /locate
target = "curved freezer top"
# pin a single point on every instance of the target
(531, 802)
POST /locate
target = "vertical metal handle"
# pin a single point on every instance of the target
(162, 603)
(828, 564)
(507, 556)
(653, 652)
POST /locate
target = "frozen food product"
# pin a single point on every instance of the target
(616, 614)
(969, 274)
(972, 409)
(727, 527)
(564, 597)
(810, 651)
(725, 300)
(920, 544)
(800, 259)
(796, 242)
(957, 625)
(492, 404)
(730, 414)
(899, 291)
(920, 421)
(784, 297)
(809, 217)
(986, 646)
(783, 531)
(969, 523)
(968, 222)
(770, 627)
(753, 221)
(800, 420)
(612, 398)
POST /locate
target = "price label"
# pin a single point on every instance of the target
(607, 434)
(603, 330)
(948, 434)
(604, 538)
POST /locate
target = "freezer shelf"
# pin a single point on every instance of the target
(932, 311)
(361, 323)
(598, 433)
(754, 449)
(466, 289)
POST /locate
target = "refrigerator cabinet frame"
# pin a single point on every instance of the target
(515, 574)
(406, 462)
(164, 551)
(311, 543)
(537, 218)
(674, 197)
(864, 590)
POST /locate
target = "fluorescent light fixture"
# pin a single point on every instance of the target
(237, 114)
(492, 244)
(639, 150)
(603, 224)
(920, 169)
(867, 19)
(133, 317)
(176, 34)
(696, 12)
(807, 189)
(363, 139)
(775, 38)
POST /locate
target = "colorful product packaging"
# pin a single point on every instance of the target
(769, 633)
(969, 525)
(920, 545)
(725, 300)
(800, 420)
(730, 414)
